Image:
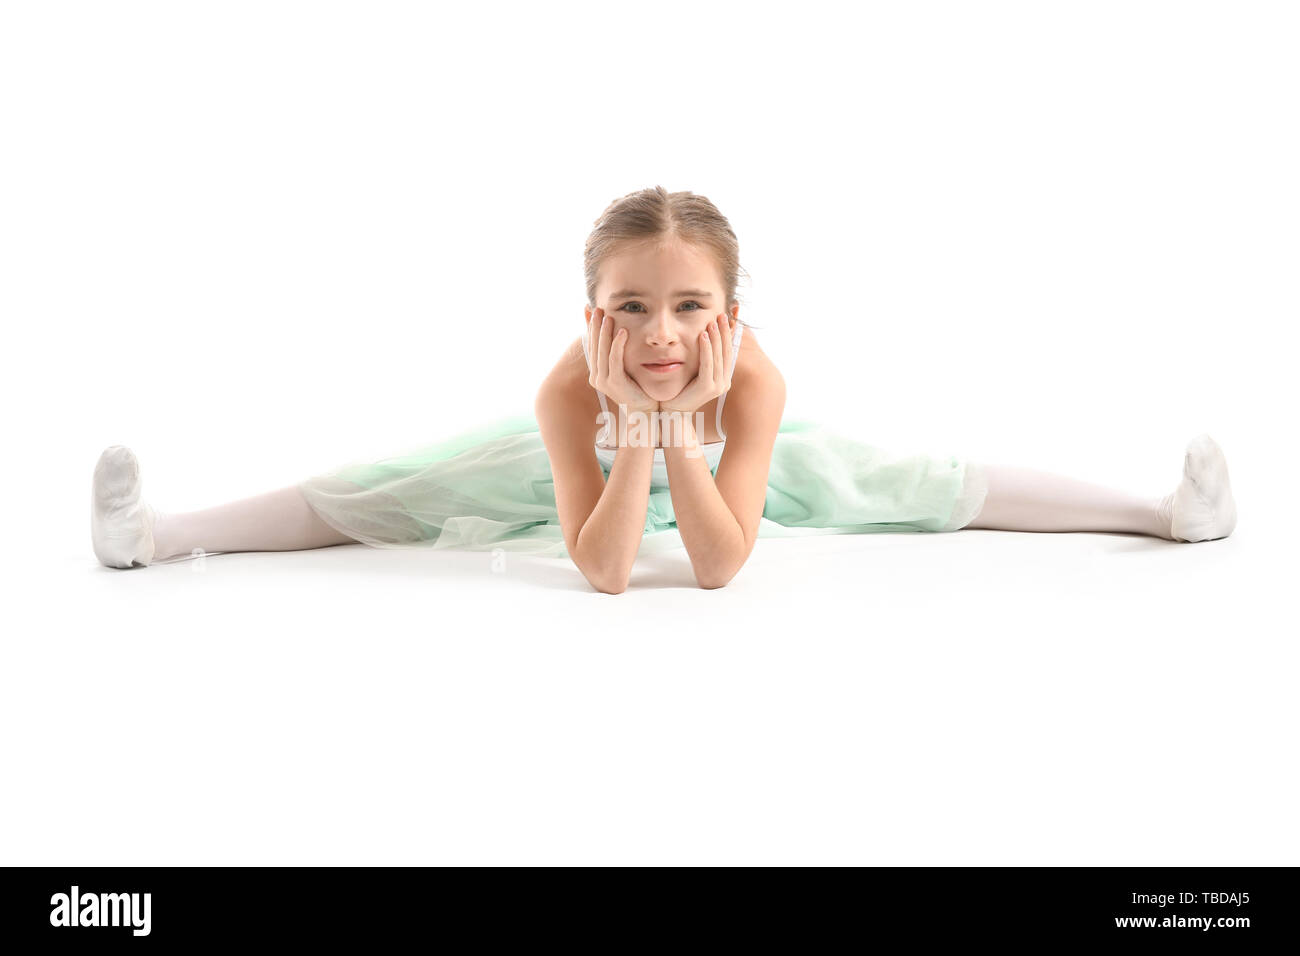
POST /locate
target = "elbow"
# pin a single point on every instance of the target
(718, 575)
(713, 580)
(605, 575)
(610, 584)
(608, 580)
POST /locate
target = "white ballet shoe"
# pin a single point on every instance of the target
(121, 525)
(1202, 506)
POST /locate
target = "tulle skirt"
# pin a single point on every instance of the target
(490, 487)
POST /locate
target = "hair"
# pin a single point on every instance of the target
(656, 215)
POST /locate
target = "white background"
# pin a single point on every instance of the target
(254, 240)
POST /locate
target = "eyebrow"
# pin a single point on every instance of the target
(630, 294)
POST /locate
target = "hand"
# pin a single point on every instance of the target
(714, 375)
(608, 374)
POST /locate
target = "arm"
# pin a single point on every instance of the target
(611, 535)
(718, 518)
(710, 531)
(602, 521)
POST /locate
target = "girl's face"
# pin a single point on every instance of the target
(664, 295)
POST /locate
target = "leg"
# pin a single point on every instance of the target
(1023, 499)
(276, 521)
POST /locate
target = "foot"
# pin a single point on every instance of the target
(1202, 508)
(121, 525)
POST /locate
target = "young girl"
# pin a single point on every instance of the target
(627, 443)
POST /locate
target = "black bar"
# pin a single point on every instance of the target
(838, 906)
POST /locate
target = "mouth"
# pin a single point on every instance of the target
(661, 366)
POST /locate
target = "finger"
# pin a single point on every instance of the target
(719, 366)
(706, 357)
(587, 353)
(623, 382)
(728, 348)
(602, 348)
(616, 371)
(597, 319)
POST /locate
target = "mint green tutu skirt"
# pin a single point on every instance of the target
(491, 488)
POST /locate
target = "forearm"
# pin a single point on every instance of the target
(608, 542)
(713, 537)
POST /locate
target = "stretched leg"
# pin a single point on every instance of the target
(276, 521)
(1201, 508)
(127, 532)
(1024, 499)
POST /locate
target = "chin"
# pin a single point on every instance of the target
(659, 390)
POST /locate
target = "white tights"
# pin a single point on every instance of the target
(1019, 499)
(1025, 499)
(1200, 508)
(276, 521)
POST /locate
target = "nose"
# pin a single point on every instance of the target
(661, 331)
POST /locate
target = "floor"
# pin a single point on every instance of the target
(980, 697)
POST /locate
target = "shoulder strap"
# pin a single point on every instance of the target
(735, 353)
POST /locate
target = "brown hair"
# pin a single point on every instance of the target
(654, 214)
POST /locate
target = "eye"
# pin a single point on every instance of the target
(687, 302)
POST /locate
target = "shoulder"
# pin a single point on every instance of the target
(567, 382)
(757, 385)
(566, 401)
